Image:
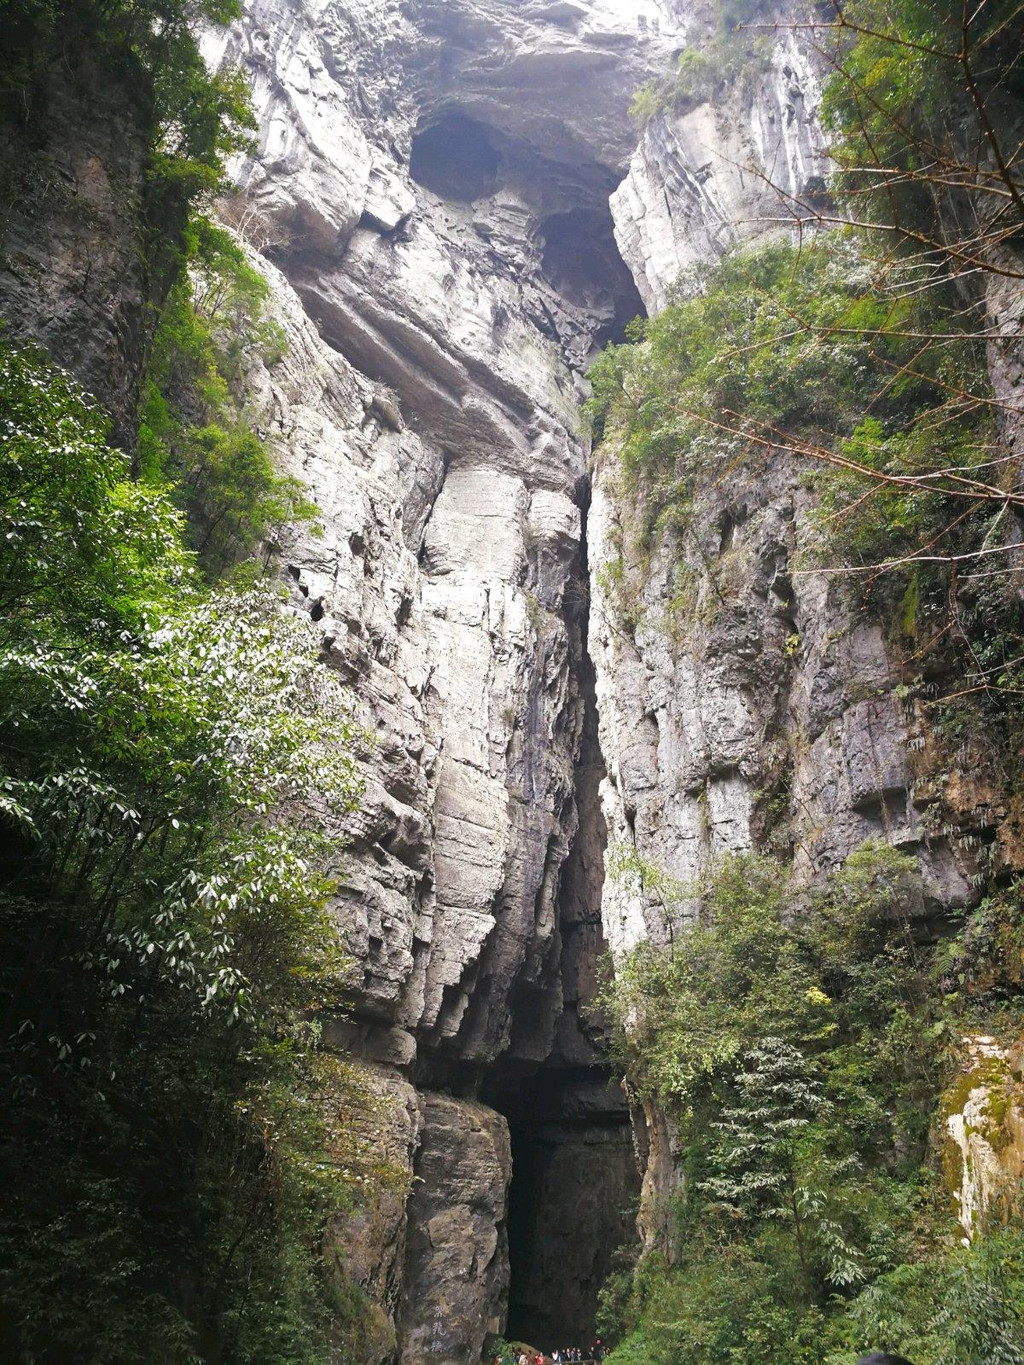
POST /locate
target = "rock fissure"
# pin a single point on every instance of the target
(443, 283)
(456, 217)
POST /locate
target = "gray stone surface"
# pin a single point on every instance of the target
(437, 318)
(433, 186)
(456, 1261)
(708, 177)
(72, 271)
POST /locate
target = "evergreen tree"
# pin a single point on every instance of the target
(769, 1161)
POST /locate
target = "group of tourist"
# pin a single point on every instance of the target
(573, 1355)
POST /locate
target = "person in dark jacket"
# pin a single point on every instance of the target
(881, 1358)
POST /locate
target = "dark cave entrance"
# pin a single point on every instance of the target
(581, 259)
(455, 159)
(463, 160)
(575, 1180)
(572, 1202)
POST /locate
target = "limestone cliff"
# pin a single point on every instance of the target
(453, 207)
(454, 211)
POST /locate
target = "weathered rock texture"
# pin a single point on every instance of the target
(456, 1266)
(984, 1123)
(760, 710)
(745, 704)
(712, 176)
(73, 273)
(443, 196)
(430, 197)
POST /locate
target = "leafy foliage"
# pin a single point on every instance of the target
(194, 429)
(175, 1142)
(766, 350)
(686, 1015)
(964, 1306)
(80, 538)
(193, 119)
(798, 1045)
(916, 94)
(807, 362)
(178, 1146)
(758, 1171)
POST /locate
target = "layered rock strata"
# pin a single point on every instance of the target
(451, 195)
(443, 262)
(453, 209)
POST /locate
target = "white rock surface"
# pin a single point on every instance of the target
(719, 174)
(986, 1132)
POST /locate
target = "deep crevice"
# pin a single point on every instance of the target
(574, 1175)
(572, 1202)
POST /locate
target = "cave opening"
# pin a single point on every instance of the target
(581, 260)
(572, 1200)
(575, 1179)
(565, 210)
(454, 158)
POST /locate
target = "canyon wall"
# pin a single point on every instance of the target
(73, 274)
(443, 263)
(454, 211)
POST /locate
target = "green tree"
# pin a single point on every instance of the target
(683, 1018)
(195, 432)
(795, 1040)
(175, 1142)
(761, 1161)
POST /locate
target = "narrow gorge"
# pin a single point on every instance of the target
(570, 703)
(460, 219)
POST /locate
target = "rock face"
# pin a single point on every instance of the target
(453, 211)
(456, 1264)
(704, 179)
(763, 708)
(985, 1133)
(452, 207)
(73, 276)
(443, 262)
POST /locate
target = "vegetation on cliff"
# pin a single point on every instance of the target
(176, 1142)
(804, 353)
(191, 119)
(167, 1152)
(800, 1043)
(194, 432)
(801, 1038)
